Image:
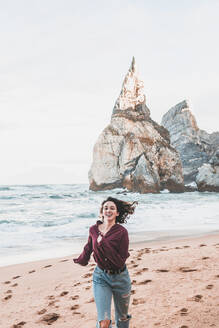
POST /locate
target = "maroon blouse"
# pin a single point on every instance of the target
(111, 252)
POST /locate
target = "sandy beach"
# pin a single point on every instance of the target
(175, 284)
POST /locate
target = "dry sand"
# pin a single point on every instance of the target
(175, 285)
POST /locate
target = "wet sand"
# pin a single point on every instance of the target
(175, 284)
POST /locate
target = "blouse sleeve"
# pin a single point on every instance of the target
(84, 258)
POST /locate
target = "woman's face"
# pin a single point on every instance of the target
(109, 212)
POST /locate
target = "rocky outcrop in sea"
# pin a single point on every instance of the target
(198, 149)
(133, 151)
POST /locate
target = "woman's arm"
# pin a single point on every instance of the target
(84, 258)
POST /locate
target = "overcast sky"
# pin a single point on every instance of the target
(62, 64)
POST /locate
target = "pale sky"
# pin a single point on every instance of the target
(62, 64)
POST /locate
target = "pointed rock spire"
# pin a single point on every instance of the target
(133, 65)
(132, 93)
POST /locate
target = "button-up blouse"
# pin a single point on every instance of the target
(110, 252)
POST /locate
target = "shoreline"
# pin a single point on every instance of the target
(147, 237)
(174, 283)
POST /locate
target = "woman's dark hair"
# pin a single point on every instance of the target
(125, 209)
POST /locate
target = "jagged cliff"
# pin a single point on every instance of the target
(196, 147)
(133, 151)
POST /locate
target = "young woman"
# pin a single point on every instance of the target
(109, 242)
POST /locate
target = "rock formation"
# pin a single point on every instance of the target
(196, 147)
(133, 151)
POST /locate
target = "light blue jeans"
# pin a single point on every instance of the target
(106, 286)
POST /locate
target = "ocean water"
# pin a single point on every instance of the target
(44, 221)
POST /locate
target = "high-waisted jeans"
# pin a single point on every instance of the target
(106, 286)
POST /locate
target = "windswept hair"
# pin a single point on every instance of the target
(125, 209)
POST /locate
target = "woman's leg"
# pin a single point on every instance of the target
(121, 302)
(103, 298)
(121, 296)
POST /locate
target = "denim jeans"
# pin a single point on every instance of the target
(106, 286)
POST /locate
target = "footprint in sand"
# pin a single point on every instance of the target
(87, 275)
(184, 311)
(178, 247)
(135, 266)
(144, 282)
(50, 318)
(197, 298)
(51, 297)
(186, 269)
(144, 269)
(32, 271)
(205, 258)
(16, 277)
(76, 312)
(202, 245)
(76, 284)
(75, 307)
(64, 293)
(138, 273)
(75, 297)
(42, 311)
(209, 286)
(14, 285)
(183, 326)
(133, 291)
(63, 260)
(137, 301)
(6, 282)
(162, 270)
(8, 291)
(52, 303)
(47, 266)
(88, 287)
(19, 325)
(6, 298)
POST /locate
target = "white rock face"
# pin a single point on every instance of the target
(132, 93)
(208, 178)
(195, 146)
(133, 151)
